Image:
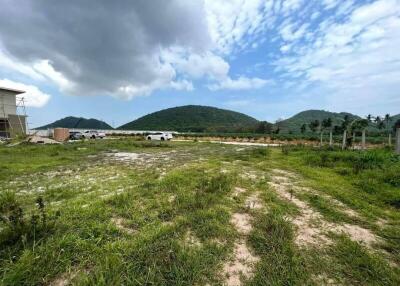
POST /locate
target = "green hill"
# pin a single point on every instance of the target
(295, 122)
(193, 118)
(77, 122)
(394, 119)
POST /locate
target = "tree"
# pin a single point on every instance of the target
(303, 128)
(380, 124)
(327, 123)
(263, 127)
(278, 124)
(314, 125)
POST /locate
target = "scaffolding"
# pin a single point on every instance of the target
(12, 124)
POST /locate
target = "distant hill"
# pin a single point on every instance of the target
(194, 118)
(77, 122)
(295, 122)
(394, 119)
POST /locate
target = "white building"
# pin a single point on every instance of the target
(11, 123)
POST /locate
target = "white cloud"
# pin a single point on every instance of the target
(242, 83)
(236, 24)
(33, 96)
(197, 65)
(291, 5)
(45, 68)
(352, 59)
(329, 4)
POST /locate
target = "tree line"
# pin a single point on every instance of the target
(351, 127)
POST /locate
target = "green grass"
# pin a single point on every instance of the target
(176, 191)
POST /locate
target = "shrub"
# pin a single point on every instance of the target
(260, 152)
(367, 160)
(17, 226)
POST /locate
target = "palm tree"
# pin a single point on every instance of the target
(387, 120)
(327, 123)
(314, 125)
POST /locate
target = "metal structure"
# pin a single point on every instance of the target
(12, 113)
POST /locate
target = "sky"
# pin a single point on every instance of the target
(119, 60)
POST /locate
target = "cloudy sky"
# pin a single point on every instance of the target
(118, 60)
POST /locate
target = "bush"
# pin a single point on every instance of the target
(16, 226)
(367, 160)
(260, 152)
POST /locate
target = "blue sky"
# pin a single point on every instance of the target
(269, 59)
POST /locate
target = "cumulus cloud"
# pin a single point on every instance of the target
(33, 96)
(107, 47)
(134, 48)
(351, 60)
(100, 47)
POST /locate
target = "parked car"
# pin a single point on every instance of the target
(75, 135)
(162, 136)
(93, 134)
(101, 135)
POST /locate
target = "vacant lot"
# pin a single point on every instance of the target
(124, 212)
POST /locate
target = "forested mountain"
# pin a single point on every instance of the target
(193, 118)
(77, 122)
(294, 123)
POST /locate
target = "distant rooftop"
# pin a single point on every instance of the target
(15, 91)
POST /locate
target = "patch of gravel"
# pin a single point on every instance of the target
(157, 161)
(242, 262)
(311, 225)
(241, 266)
(242, 222)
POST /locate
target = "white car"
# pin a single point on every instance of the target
(161, 136)
(93, 134)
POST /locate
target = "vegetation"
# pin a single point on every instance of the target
(193, 118)
(295, 122)
(77, 122)
(209, 120)
(299, 122)
(126, 212)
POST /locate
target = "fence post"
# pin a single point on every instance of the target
(398, 140)
(344, 139)
(363, 140)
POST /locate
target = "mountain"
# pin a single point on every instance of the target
(394, 119)
(77, 122)
(294, 123)
(194, 118)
